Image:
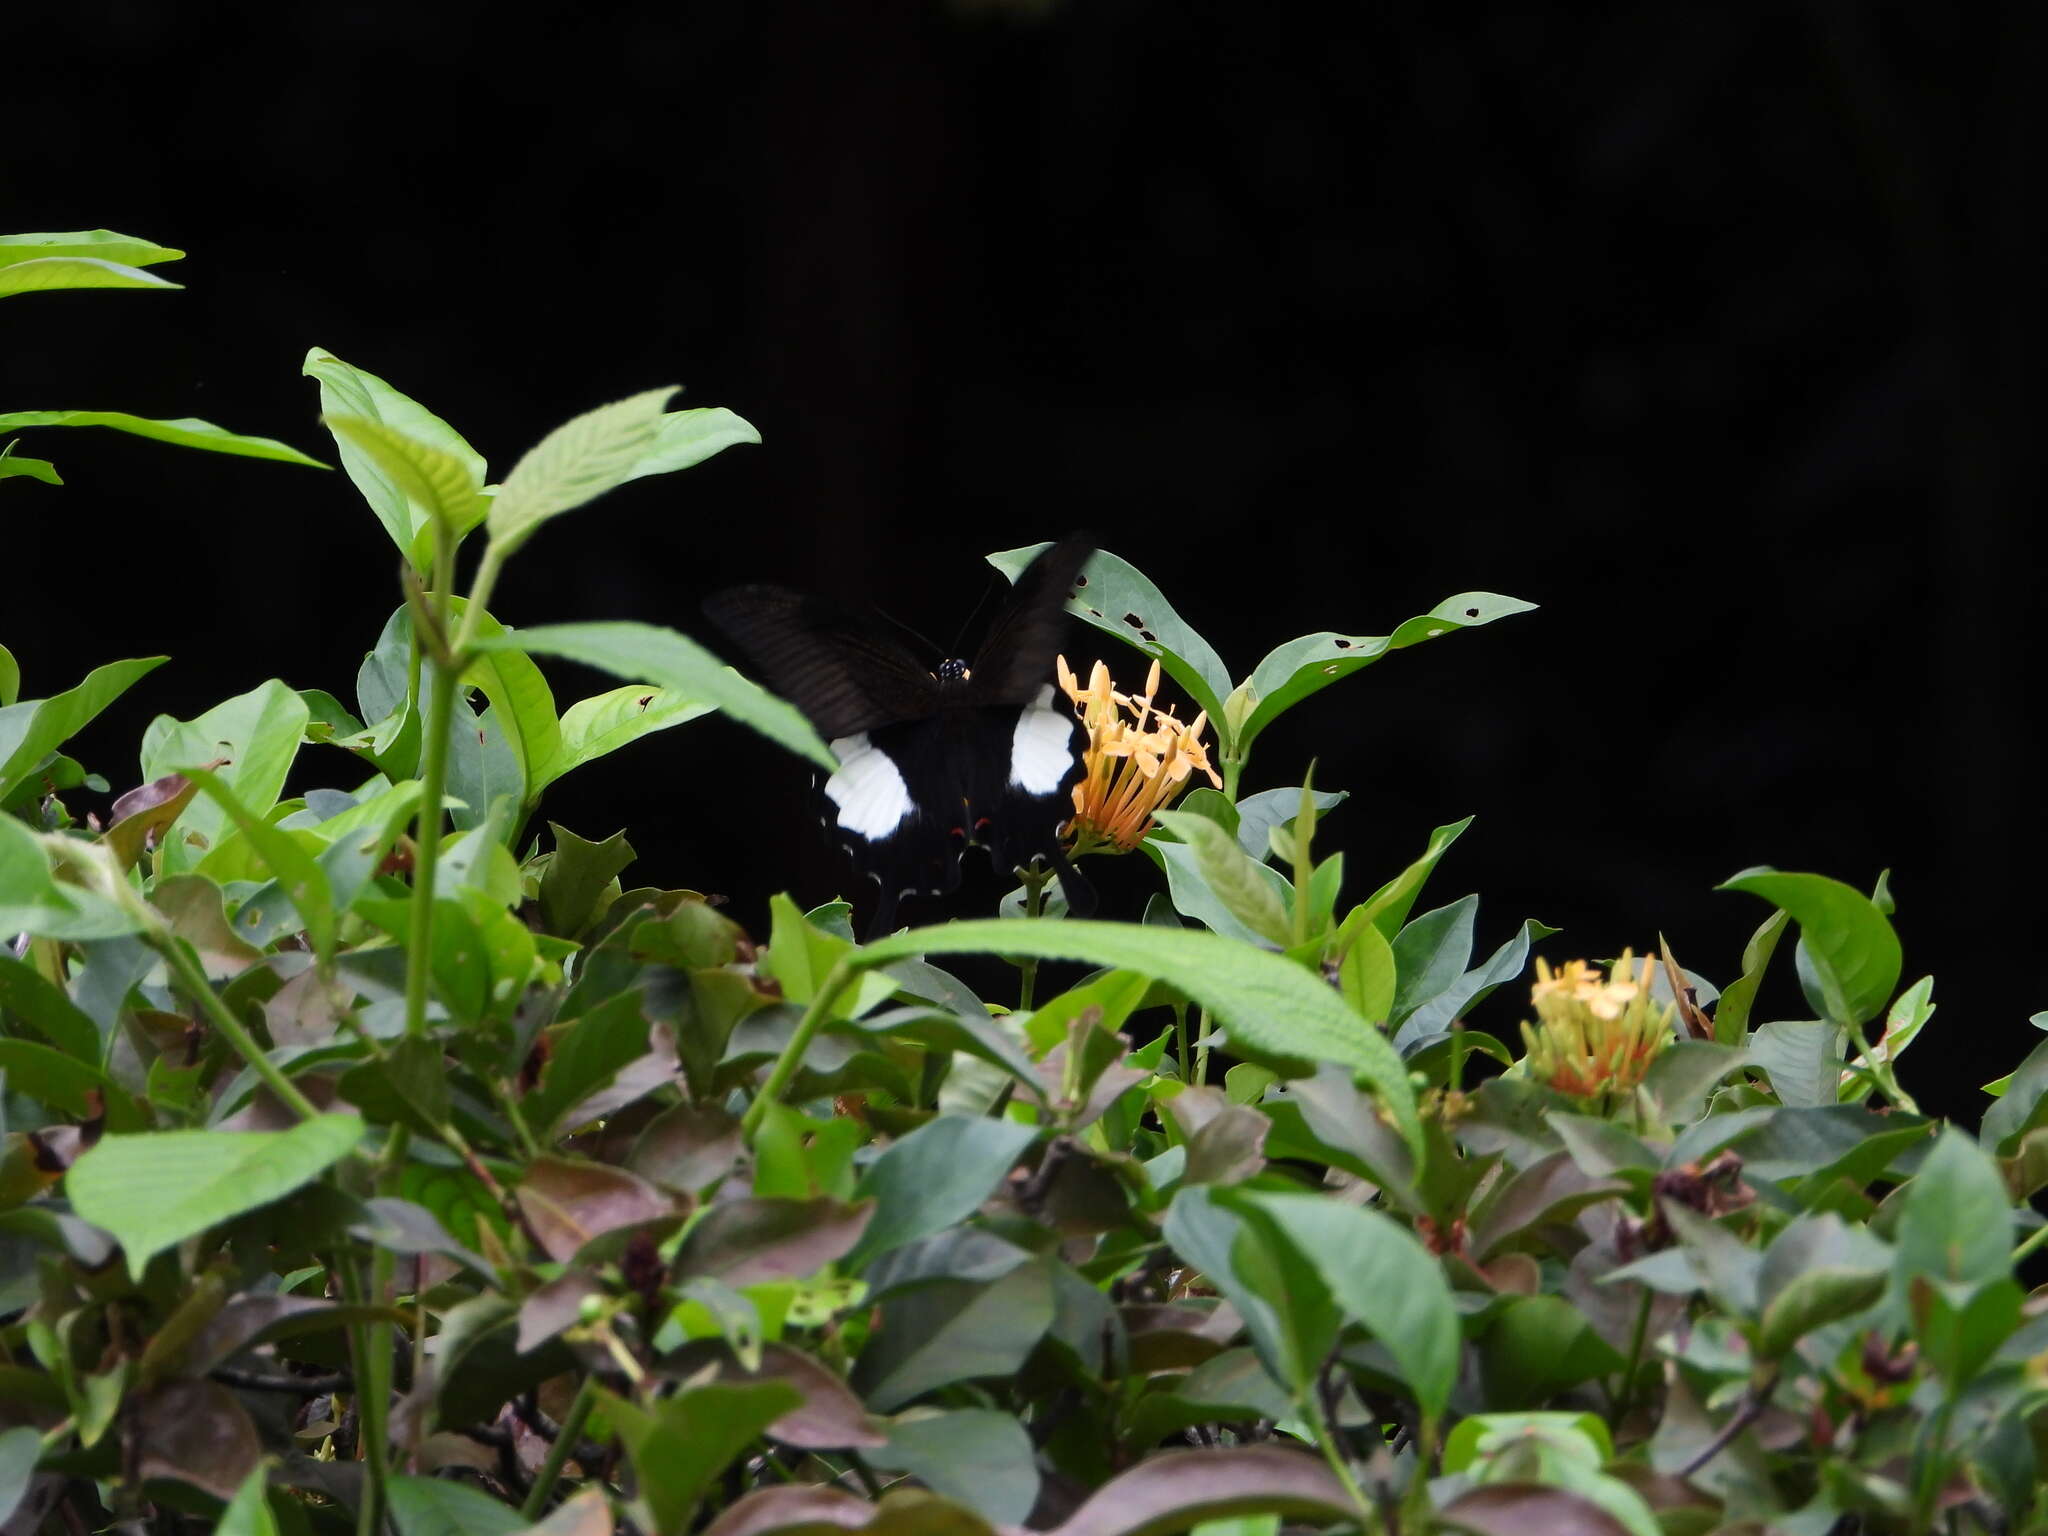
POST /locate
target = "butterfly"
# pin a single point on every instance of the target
(932, 760)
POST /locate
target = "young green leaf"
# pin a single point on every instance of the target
(31, 729)
(685, 438)
(1291, 672)
(441, 484)
(101, 244)
(672, 661)
(44, 274)
(184, 431)
(1854, 950)
(151, 1191)
(1266, 1001)
(1119, 600)
(258, 732)
(576, 463)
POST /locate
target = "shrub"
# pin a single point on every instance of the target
(361, 1169)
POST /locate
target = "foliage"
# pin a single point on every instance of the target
(371, 1162)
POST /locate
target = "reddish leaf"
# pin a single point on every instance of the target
(831, 1416)
(258, 1318)
(197, 1433)
(568, 1203)
(745, 1241)
(1179, 1489)
(797, 1511)
(139, 816)
(555, 1306)
(1528, 1509)
(687, 1147)
(588, 1513)
(1229, 1149)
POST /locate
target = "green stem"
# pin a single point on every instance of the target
(372, 1401)
(1202, 1047)
(1233, 767)
(559, 1453)
(1180, 1042)
(479, 599)
(1880, 1074)
(178, 955)
(2030, 1245)
(427, 845)
(1326, 1440)
(836, 982)
(1035, 880)
(1623, 1398)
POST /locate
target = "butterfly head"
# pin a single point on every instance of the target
(953, 670)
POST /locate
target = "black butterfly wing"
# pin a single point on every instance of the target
(1016, 658)
(835, 666)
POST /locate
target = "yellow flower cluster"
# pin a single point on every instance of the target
(1139, 759)
(1594, 1035)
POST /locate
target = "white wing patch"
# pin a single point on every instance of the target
(869, 790)
(1042, 746)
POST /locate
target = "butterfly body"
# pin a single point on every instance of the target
(931, 760)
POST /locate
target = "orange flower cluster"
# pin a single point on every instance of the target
(1594, 1035)
(1139, 759)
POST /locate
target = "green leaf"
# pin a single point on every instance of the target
(347, 391)
(184, 431)
(32, 900)
(20, 1449)
(576, 463)
(1812, 1300)
(258, 732)
(31, 729)
(1535, 1347)
(1387, 908)
(1246, 888)
(1115, 593)
(1288, 1310)
(1367, 974)
(152, 1191)
(435, 1506)
(445, 486)
(1802, 1057)
(1267, 1002)
(1731, 1013)
(1382, 1278)
(2022, 1103)
(605, 722)
(1291, 672)
(522, 705)
(47, 1008)
(979, 1456)
(685, 438)
(43, 274)
(1960, 1327)
(102, 244)
(1258, 814)
(673, 661)
(1437, 1012)
(953, 1330)
(1956, 1222)
(681, 1444)
(577, 876)
(937, 1175)
(248, 1512)
(1853, 948)
(299, 875)
(10, 678)
(13, 466)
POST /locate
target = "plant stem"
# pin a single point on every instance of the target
(560, 1452)
(1202, 1045)
(1035, 880)
(479, 599)
(372, 1403)
(1180, 1042)
(1622, 1399)
(178, 955)
(836, 982)
(427, 844)
(1326, 1439)
(2030, 1244)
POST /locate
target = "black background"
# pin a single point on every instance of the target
(1713, 329)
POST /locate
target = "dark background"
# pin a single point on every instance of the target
(1713, 329)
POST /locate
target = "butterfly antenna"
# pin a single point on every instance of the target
(967, 624)
(918, 635)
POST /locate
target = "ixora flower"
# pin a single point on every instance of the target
(1139, 758)
(1594, 1036)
